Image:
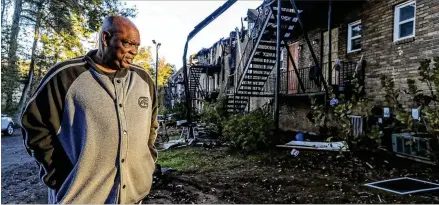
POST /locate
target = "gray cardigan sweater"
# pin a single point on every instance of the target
(81, 128)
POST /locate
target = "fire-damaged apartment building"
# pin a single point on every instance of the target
(371, 38)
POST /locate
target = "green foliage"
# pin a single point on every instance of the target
(163, 110)
(335, 121)
(62, 25)
(426, 101)
(214, 113)
(165, 71)
(250, 132)
(179, 110)
(144, 59)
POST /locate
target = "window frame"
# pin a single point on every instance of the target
(397, 23)
(350, 37)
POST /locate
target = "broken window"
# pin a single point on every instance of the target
(404, 23)
(354, 36)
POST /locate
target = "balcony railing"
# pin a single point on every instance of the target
(311, 79)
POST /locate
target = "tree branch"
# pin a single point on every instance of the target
(50, 25)
(28, 18)
(30, 11)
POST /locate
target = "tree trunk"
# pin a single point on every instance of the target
(11, 69)
(3, 11)
(30, 76)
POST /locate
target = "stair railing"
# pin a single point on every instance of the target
(261, 22)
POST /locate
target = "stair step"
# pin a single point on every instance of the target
(265, 57)
(289, 14)
(266, 50)
(285, 36)
(255, 80)
(262, 63)
(290, 10)
(267, 43)
(257, 74)
(289, 20)
(250, 85)
(249, 90)
(273, 30)
(260, 69)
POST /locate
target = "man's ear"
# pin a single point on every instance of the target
(106, 36)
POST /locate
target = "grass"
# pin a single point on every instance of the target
(192, 159)
(199, 159)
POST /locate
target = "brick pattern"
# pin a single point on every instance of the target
(385, 57)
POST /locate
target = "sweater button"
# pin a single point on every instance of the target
(118, 81)
(120, 105)
(123, 160)
(123, 187)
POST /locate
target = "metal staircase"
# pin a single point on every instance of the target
(194, 85)
(259, 57)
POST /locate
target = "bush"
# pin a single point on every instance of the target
(334, 121)
(214, 114)
(179, 110)
(249, 132)
(426, 101)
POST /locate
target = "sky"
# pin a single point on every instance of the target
(170, 22)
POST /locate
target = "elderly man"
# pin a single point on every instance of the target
(91, 125)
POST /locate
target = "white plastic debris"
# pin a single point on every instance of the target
(295, 152)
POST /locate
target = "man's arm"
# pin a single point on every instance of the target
(41, 121)
(154, 125)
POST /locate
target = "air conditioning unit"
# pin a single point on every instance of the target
(411, 145)
(356, 125)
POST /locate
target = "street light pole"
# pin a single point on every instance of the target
(157, 46)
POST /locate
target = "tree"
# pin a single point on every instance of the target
(165, 71)
(60, 17)
(9, 71)
(144, 59)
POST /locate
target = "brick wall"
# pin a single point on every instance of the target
(385, 57)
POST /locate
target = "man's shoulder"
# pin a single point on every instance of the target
(141, 72)
(68, 66)
(66, 70)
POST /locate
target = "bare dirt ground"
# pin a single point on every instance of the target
(20, 182)
(276, 177)
(219, 176)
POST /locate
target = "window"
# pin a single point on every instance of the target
(404, 24)
(354, 36)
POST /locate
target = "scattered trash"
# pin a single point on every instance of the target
(367, 163)
(379, 198)
(173, 143)
(327, 146)
(295, 152)
(404, 185)
(167, 170)
(180, 122)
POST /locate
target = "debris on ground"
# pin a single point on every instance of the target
(404, 185)
(220, 176)
(326, 146)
